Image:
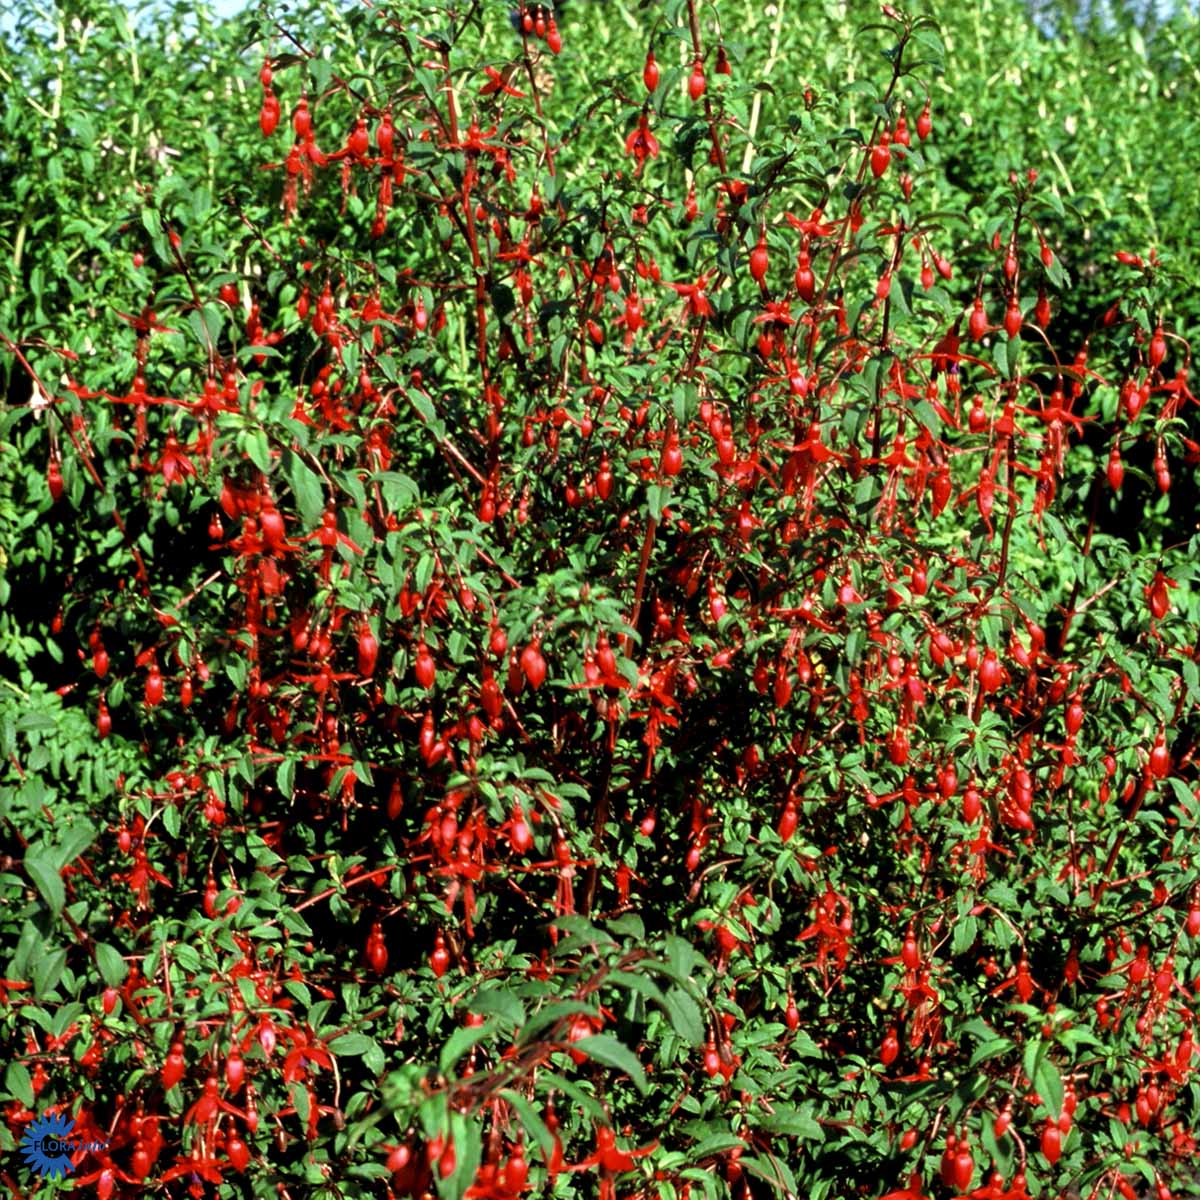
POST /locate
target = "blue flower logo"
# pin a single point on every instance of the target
(48, 1145)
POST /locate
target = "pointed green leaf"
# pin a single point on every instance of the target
(607, 1050)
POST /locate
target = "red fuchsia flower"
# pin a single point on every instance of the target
(498, 81)
(306, 1051)
(632, 318)
(641, 143)
(197, 1168)
(912, 1192)
(611, 1160)
(777, 312)
(174, 463)
(697, 302)
(813, 227)
(1157, 596)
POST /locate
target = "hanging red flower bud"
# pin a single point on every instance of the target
(533, 665)
(368, 650)
(439, 960)
(650, 72)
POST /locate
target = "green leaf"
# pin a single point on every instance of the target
(928, 417)
(47, 971)
(681, 957)
(75, 841)
(398, 489)
(300, 1100)
(294, 922)
(629, 924)
(607, 1050)
(1048, 1084)
(198, 324)
(306, 487)
(285, 777)
(36, 722)
(1191, 679)
(460, 1041)
(990, 1049)
(531, 1121)
(113, 968)
(17, 1083)
(468, 1150)
(966, 929)
(655, 497)
(792, 1122)
(773, 1171)
(375, 1060)
(642, 984)
(500, 1003)
(685, 1015)
(587, 1104)
(256, 445)
(803, 1046)
(552, 1013)
(1035, 1049)
(40, 867)
(351, 1045)
(1000, 356)
(716, 1143)
(424, 407)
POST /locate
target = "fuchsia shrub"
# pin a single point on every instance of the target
(600, 663)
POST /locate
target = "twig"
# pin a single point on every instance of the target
(349, 883)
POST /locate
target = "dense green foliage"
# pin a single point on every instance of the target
(501, 673)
